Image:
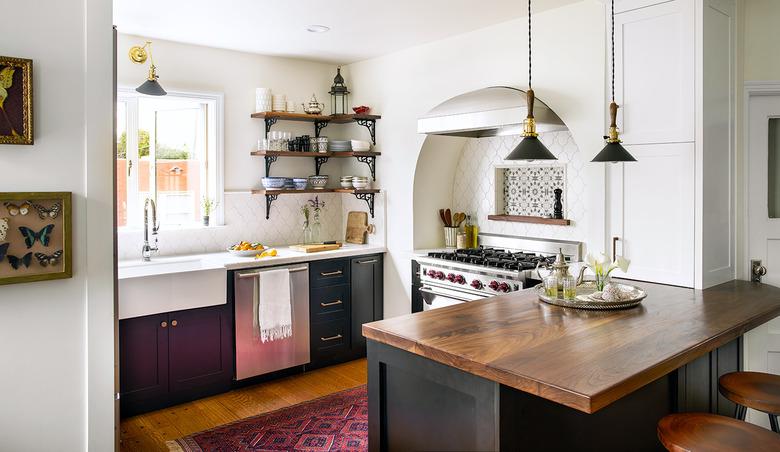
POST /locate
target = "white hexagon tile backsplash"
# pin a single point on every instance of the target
(475, 189)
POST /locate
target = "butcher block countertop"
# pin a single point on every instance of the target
(582, 359)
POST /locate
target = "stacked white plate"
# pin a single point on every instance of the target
(339, 146)
(279, 102)
(360, 182)
(360, 146)
(263, 99)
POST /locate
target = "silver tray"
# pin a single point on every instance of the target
(589, 298)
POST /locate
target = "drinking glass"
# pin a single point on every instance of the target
(551, 286)
(569, 288)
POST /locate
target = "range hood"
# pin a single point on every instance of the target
(488, 112)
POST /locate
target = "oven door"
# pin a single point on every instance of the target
(439, 297)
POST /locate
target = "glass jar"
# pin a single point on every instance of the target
(551, 286)
(307, 239)
(461, 241)
(569, 288)
(316, 229)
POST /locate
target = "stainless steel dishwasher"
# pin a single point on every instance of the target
(254, 357)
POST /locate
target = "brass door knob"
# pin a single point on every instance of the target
(756, 270)
(174, 322)
(164, 324)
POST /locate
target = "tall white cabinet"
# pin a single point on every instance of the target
(672, 212)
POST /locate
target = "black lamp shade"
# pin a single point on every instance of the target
(614, 152)
(530, 148)
(152, 88)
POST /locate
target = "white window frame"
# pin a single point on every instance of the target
(216, 149)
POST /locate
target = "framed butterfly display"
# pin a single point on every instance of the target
(35, 237)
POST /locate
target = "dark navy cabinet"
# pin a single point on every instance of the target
(367, 298)
(174, 357)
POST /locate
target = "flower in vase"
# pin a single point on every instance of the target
(602, 268)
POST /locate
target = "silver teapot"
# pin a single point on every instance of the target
(559, 269)
(313, 107)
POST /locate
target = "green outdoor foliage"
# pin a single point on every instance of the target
(163, 152)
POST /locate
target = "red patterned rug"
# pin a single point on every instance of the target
(337, 422)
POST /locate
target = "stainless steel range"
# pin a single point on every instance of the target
(500, 265)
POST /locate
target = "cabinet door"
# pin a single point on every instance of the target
(655, 71)
(366, 299)
(200, 351)
(652, 213)
(143, 362)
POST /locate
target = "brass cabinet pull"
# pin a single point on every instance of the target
(174, 322)
(372, 261)
(337, 272)
(332, 338)
(164, 324)
(332, 303)
(614, 247)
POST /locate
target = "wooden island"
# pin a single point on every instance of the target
(513, 373)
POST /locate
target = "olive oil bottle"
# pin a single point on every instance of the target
(472, 233)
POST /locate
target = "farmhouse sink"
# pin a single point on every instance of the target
(170, 284)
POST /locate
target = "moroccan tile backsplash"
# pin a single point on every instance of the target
(528, 190)
(479, 189)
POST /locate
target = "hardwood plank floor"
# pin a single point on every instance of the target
(150, 431)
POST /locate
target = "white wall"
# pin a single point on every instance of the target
(56, 338)
(568, 75)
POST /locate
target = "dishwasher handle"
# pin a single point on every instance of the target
(256, 274)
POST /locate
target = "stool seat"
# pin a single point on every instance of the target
(701, 432)
(755, 390)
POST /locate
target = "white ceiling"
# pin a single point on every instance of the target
(359, 29)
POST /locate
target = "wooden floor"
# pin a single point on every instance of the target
(148, 432)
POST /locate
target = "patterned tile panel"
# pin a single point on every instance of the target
(529, 190)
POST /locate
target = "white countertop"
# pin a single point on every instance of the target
(136, 268)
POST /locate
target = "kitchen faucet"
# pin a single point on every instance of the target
(146, 251)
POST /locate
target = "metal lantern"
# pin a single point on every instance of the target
(339, 95)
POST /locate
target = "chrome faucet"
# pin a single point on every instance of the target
(146, 251)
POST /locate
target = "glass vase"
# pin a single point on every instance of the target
(601, 281)
(316, 229)
(307, 238)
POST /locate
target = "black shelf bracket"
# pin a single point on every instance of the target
(318, 126)
(269, 160)
(318, 162)
(370, 161)
(370, 124)
(269, 199)
(369, 199)
(268, 123)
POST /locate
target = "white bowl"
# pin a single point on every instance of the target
(318, 182)
(346, 184)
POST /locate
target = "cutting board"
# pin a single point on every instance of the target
(315, 248)
(357, 227)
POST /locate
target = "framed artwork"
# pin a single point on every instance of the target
(35, 237)
(16, 101)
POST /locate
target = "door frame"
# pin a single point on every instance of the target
(752, 89)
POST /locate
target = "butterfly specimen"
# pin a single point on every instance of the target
(48, 214)
(49, 259)
(3, 250)
(3, 229)
(17, 262)
(30, 236)
(17, 209)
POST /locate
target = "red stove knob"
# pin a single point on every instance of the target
(503, 287)
(460, 279)
(477, 284)
(451, 277)
(431, 273)
(439, 275)
(493, 285)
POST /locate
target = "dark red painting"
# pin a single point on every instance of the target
(16, 119)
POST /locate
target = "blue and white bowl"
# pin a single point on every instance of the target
(273, 183)
(300, 183)
(318, 182)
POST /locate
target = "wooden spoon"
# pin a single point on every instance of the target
(443, 218)
(459, 217)
(448, 217)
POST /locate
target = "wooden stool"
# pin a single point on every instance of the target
(755, 390)
(702, 432)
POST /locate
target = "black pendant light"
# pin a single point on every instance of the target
(139, 55)
(531, 147)
(613, 151)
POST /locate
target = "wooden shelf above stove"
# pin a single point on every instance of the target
(527, 219)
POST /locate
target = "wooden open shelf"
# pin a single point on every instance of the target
(335, 119)
(328, 154)
(291, 191)
(526, 219)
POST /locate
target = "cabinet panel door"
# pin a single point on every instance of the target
(658, 214)
(143, 361)
(200, 347)
(655, 71)
(366, 297)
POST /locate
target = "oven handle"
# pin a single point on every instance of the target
(433, 291)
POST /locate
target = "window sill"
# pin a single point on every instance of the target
(187, 227)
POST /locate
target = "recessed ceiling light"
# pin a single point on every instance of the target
(317, 28)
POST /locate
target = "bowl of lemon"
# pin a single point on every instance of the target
(246, 249)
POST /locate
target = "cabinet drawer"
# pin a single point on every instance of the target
(329, 273)
(329, 339)
(329, 303)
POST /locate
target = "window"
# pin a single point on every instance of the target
(168, 149)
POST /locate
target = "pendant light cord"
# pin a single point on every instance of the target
(529, 44)
(613, 50)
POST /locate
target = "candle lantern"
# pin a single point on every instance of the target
(339, 95)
